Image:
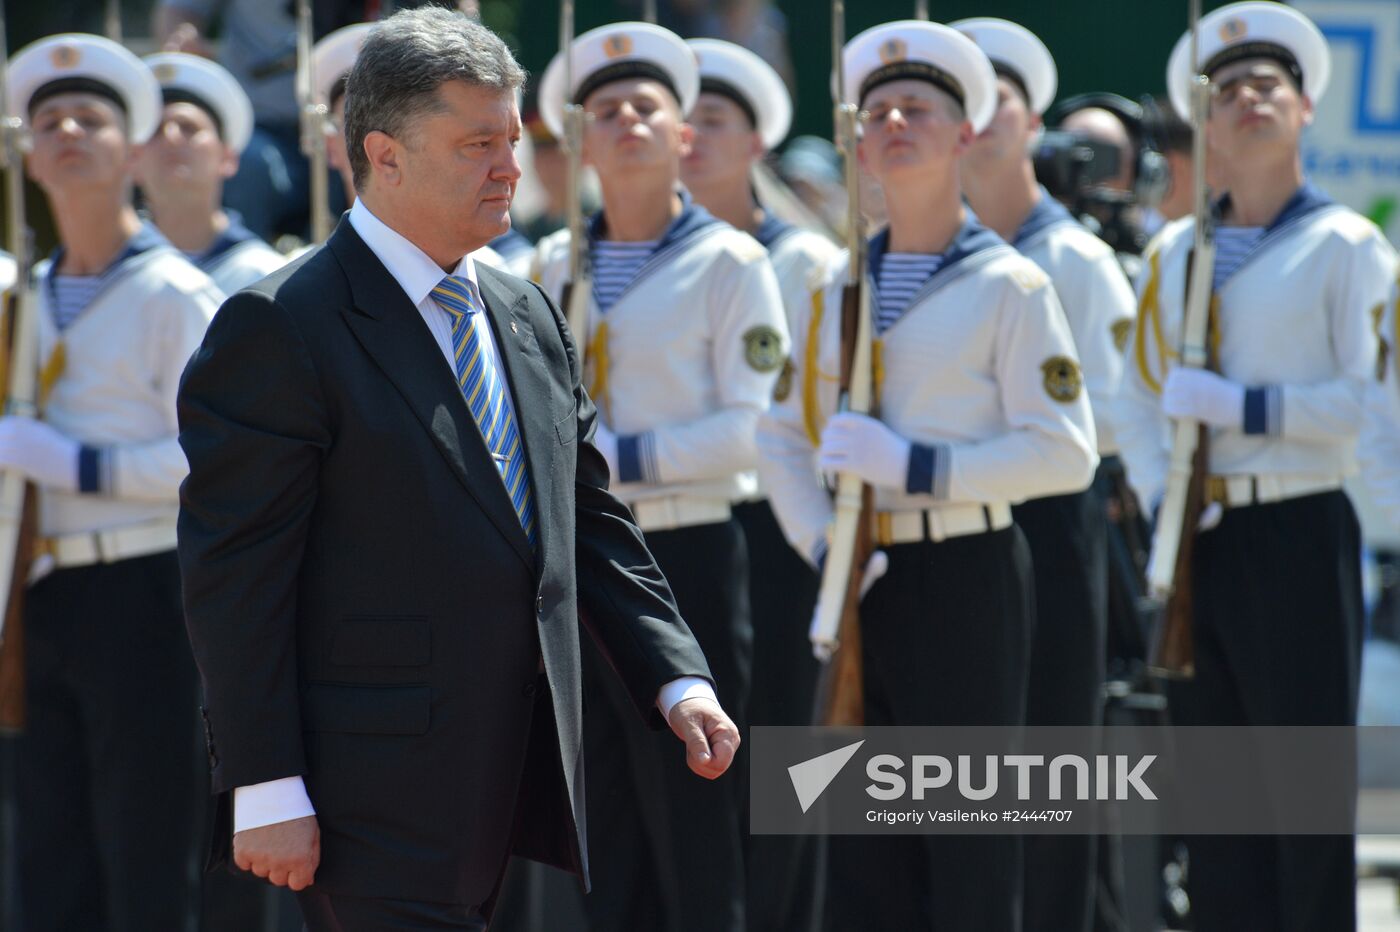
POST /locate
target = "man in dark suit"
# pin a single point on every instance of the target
(394, 519)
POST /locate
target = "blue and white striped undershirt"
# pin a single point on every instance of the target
(72, 294)
(1263, 404)
(902, 274)
(615, 266)
(1232, 247)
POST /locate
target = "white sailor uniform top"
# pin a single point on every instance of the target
(682, 363)
(1292, 324)
(979, 372)
(1096, 297)
(121, 361)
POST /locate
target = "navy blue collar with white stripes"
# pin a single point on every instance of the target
(235, 234)
(146, 238)
(692, 220)
(1046, 213)
(1306, 201)
(771, 230)
(970, 239)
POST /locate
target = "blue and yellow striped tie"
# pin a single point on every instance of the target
(484, 391)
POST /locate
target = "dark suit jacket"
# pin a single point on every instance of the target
(363, 604)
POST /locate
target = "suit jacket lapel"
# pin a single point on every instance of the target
(392, 332)
(529, 384)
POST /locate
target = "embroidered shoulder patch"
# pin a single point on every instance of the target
(1029, 277)
(1122, 331)
(1063, 380)
(763, 349)
(783, 387)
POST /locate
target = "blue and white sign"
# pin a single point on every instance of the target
(1352, 149)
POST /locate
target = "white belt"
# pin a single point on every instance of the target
(1235, 491)
(69, 550)
(677, 511)
(938, 524)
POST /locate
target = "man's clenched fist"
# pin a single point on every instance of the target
(710, 737)
(285, 853)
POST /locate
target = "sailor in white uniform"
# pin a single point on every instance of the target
(109, 791)
(1380, 436)
(1277, 609)
(744, 111)
(205, 124)
(1068, 534)
(981, 405)
(685, 340)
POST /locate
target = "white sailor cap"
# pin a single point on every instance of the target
(733, 71)
(75, 61)
(930, 52)
(1252, 30)
(611, 53)
(191, 79)
(1016, 54)
(333, 57)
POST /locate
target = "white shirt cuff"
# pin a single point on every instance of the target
(269, 803)
(686, 687)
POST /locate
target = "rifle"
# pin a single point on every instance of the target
(1169, 569)
(579, 286)
(112, 20)
(835, 630)
(19, 392)
(314, 117)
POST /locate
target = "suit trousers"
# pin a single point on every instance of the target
(328, 912)
(782, 869)
(1277, 622)
(1068, 538)
(666, 849)
(110, 776)
(946, 641)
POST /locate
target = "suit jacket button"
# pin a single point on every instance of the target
(529, 690)
(539, 605)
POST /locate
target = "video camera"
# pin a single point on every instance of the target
(1072, 164)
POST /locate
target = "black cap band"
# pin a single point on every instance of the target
(1269, 50)
(75, 85)
(178, 95)
(725, 89)
(919, 70)
(621, 71)
(1003, 70)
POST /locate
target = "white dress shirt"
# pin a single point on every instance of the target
(286, 799)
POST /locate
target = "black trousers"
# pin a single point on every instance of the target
(665, 845)
(782, 869)
(1278, 623)
(326, 912)
(1068, 538)
(946, 635)
(110, 774)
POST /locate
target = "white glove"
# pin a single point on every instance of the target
(864, 446)
(1203, 396)
(43, 454)
(605, 441)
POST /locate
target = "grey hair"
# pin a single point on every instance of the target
(404, 61)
